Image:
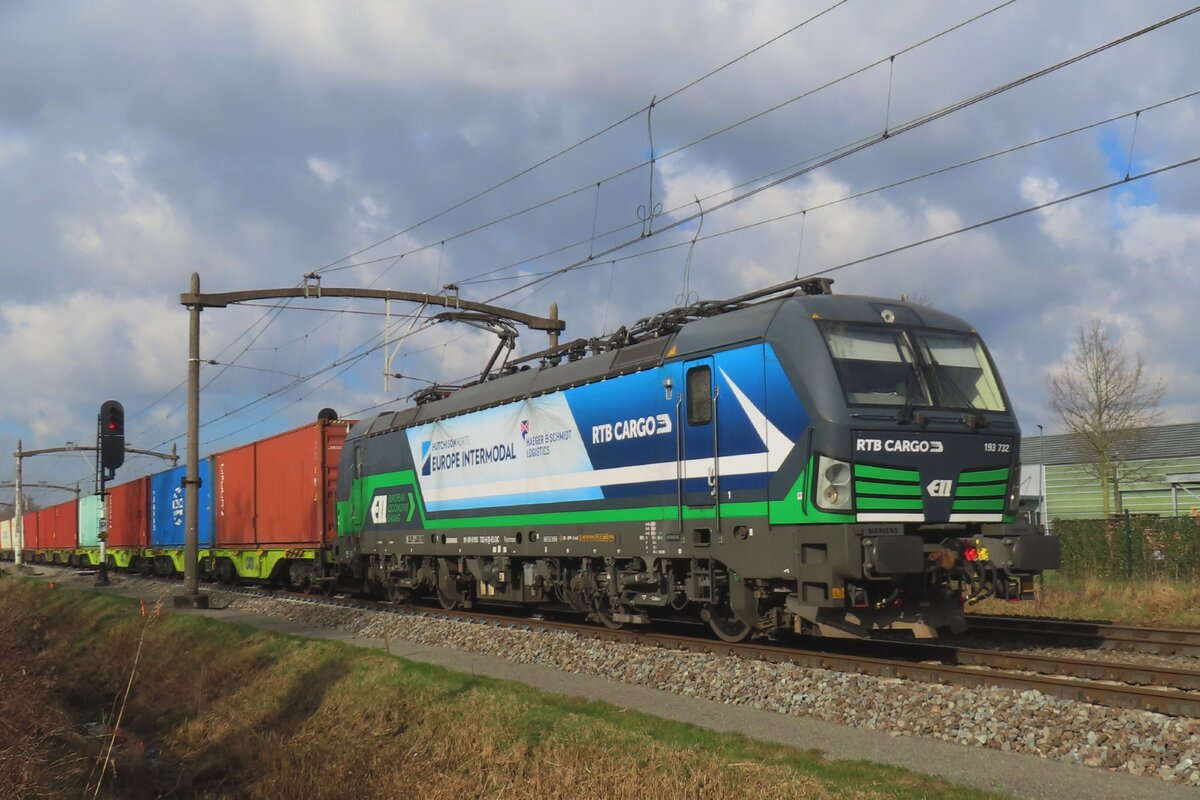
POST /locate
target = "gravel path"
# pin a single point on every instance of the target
(1138, 742)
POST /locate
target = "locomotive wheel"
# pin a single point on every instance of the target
(604, 613)
(448, 601)
(726, 625)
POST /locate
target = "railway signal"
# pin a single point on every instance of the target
(112, 435)
(111, 455)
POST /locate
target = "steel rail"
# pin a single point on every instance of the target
(1120, 672)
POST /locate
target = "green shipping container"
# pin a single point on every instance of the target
(89, 521)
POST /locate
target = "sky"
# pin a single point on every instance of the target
(399, 145)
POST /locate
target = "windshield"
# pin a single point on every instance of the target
(876, 366)
(891, 366)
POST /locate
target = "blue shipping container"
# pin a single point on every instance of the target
(166, 507)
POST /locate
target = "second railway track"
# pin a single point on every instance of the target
(1102, 635)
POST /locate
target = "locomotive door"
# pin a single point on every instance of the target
(357, 519)
(699, 470)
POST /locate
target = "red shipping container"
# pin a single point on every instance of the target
(280, 491)
(59, 528)
(128, 514)
(233, 500)
(30, 522)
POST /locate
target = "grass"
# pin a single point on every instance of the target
(235, 712)
(1162, 603)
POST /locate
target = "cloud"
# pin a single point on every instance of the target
(12, 148)
(70, 354)
(326, 171)
(137, 230)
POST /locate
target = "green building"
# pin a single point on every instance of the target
(1158, 475)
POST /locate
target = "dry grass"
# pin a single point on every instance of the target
(39, 751)
(239, 713)
(1139, 602)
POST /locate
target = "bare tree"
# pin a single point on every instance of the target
(921, 298)
(1102, 394)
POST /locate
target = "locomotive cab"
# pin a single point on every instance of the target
(915, 452)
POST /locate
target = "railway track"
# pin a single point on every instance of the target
(1174, 692)
(1101, 635)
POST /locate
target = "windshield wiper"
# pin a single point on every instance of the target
(942, 384)
(904, 414)
(971, 420)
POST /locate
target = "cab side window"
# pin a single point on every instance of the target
(699, 396)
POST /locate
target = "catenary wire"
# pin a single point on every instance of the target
(337, 266)
(873, 190)
(578, 144)
(899, 130)
(1010, 215)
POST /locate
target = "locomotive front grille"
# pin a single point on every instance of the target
(896, 495)
(888, 493)
(980, 495)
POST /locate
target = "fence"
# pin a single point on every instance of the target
(1132, 547)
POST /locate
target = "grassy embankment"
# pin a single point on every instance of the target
(227, 711)
(1163, 603)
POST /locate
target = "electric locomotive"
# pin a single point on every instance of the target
(786, 460)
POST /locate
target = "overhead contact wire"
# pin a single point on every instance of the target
(632, 115)
(874, 140)
(640, 165)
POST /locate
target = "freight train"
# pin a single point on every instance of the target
(784, 461)
(265, 514)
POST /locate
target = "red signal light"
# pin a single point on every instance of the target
(971, 554)
(112, 426)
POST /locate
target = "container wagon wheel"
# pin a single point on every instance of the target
(226, 573)
(726, 625)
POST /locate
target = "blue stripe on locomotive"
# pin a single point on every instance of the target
(598, 406)
(167, 507)
(755, 370)
(628, 422)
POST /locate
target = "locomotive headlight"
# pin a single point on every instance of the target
(1014, 491)
(833, 484)
(836, 472)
